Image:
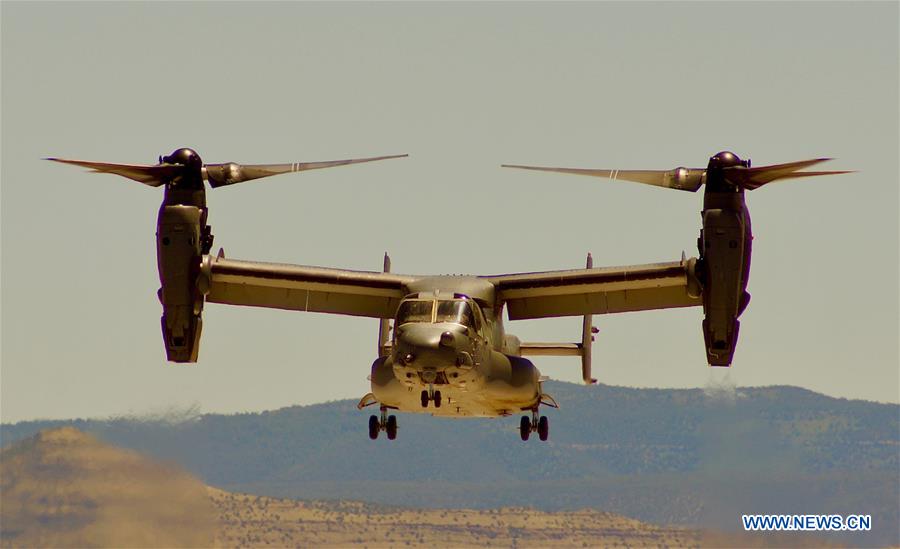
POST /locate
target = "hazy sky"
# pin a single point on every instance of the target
(462, 88)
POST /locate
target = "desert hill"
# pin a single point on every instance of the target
(64, 488)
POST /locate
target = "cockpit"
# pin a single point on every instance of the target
(457, 311)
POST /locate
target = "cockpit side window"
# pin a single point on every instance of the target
(414, 311)
(457, 311)
(479, 320)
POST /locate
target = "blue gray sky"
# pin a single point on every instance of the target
(462, 88)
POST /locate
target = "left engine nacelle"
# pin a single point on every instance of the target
(179, 242)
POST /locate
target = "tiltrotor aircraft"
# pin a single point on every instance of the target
(447, 352)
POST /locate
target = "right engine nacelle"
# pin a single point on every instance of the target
(179, 245)
(724, 254)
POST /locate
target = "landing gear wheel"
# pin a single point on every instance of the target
(425, 399)
(391, 427)
(437, 399)
(524, 427)
(543, 428)
(374, 427)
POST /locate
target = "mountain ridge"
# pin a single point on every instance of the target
(682, 456)
(178, 414)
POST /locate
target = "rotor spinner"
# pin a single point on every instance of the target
(715, 174)
(186, 187)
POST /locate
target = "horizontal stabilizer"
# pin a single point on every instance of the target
(550, 349)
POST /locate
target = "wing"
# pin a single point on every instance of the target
(598, 291)
(301, 288)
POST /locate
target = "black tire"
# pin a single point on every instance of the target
(425, 399)
(525, 427)
(374, 427)
(437, 399)
(543, 428)
(391, 427)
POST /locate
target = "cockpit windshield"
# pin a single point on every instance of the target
(419, 310)
(457, 311)
(415, 311)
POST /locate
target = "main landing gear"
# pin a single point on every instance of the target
(386, 423)
(535, 423)
(431, 395)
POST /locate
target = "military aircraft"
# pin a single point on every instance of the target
(447, 352)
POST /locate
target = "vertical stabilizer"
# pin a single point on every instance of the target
(587, 338)
(384, 325)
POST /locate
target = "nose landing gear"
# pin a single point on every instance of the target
(387, 423)
(431, 395)
(391, 427)
(536, 423)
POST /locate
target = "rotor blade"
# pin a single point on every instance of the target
(220, 175)
(154, 176)
(754, 178)
(685, 179)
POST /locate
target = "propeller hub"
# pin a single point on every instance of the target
(191, 177)
(727, 159)
(184, 156)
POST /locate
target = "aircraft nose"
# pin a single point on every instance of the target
(428, 344)
(420, 336)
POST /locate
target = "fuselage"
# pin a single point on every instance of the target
(453, 343)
